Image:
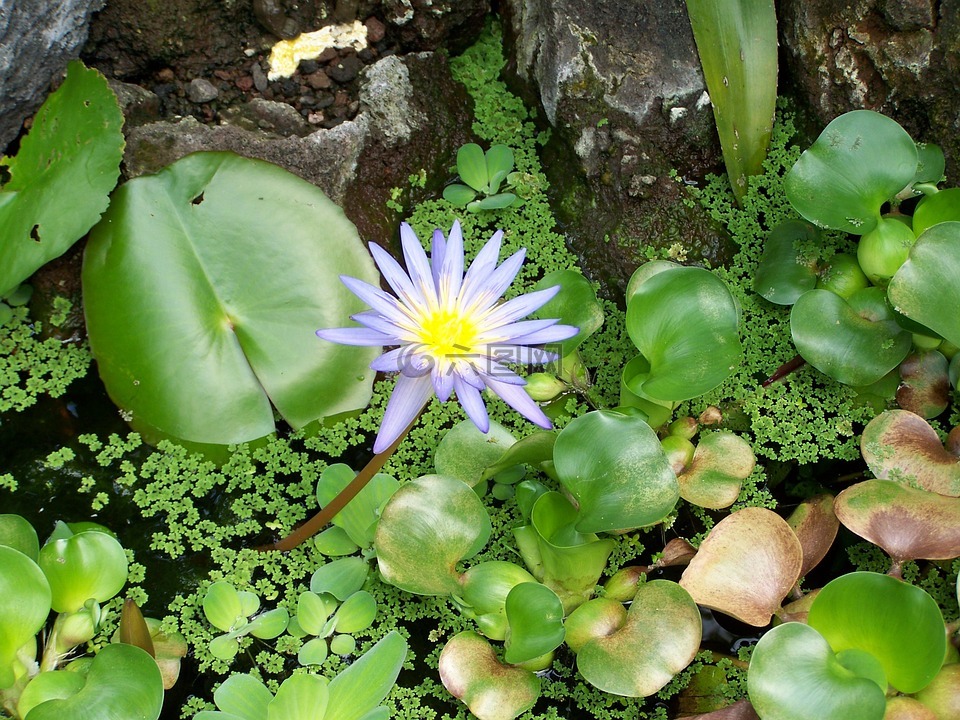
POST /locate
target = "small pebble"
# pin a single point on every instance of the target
(308, 66)
(375, 30)
(201, 90)
(345, 70)
(259, 78)
(245, 83)
(327, 55)
(315, 118)
(165, 75)
(318, 80)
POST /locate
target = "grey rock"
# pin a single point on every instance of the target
(431, 24)
(138, 104)
(37, 40)
(201, 90)
(275, 118)
(259, 78)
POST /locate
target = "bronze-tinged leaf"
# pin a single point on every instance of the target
(798, 610)
(133, 628)
(746, 566)
(816, 527)
(906, 708)
(720, 464)
(900, 445)
(925, 385)
(909, 524)
(942, 695)
(740, 710)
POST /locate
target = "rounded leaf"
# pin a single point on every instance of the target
(222, 606)
(925, 386)
(535, 622)
(243, 696)
(340, 578)
(943, 694)
(721, 462)
(464, 452)
(575, 304)
(746, 566)
(483, 594)
(16, 532)
(203, 287)
(458, 194)
(943, 206)
(50, 685)
(596, 618)
(472, 166)
(357, 612)
(24, 606)
(312, 612)
(898, 624)
(426, 528)
(269, 624)
(615, 467)
(313, 652)
(815, 525)
(360, 688)
(359, 518)
(861, 160)
(86, 565)
(784, 273)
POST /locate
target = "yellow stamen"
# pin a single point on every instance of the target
(447, 333)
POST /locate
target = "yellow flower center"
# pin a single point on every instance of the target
(447, 333)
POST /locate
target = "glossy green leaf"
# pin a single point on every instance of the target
(685, 323)
(470, 671)
(17, 532)
(123, 682)
(203, 287)
(50, 685)
(884, 249)
(357, 690)
(300, 697)
(943, 206)
(243, 696)
(784, 273)
(458, 194)
(357, 612)
(721, 462)
(842, 275)
(24, 606)
(575, 304)
(499, 160)
(616, 469)
(269, 624)
(483, 594)
(464, 452)
(659, 638)
(854, 348)
(61, 178)
(534, 620)
(312, 612)
(897, 623)
(359, 517)
(861, 160)
(794, 675)
(930, 164)
(926, 288)
(222, 606)
(313, 652)
(472, 166)
(341, 578)
(654, 412)
(427, 527)
(534, 449)
(87, 565)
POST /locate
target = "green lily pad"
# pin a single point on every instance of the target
(815, 525)
(784, 273)
(24, 606)
(898, 624)
(614, 466)
(426, 528)
(61, 178)
(855, 341)
(908, 523)
(685, 323)
(795, 675)
(659, 638)
(534, 620)
(464, 452)
(87, 565)
(123, 682)
(859, 161)
(471, 672)
(943, 206)
(576, 304)
(925, 389)
(721, 462)
(901, 446)
(203, 286)
(359, 518)
(746, 566)
(926, 288)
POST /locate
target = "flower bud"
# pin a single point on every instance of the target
(544, 386)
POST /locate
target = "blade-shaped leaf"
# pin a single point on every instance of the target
(362, 686)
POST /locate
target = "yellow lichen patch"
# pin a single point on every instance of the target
(287, 54)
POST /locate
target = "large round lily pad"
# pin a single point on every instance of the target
(745, 566)
(203, 287)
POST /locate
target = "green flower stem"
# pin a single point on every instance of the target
(51, 658)
(315, 524)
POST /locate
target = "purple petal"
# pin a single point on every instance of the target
(557, 333)
(502, 373)
(386, 326)
(487, 290)
(418, 267)
(409, 397)
(483, 264)
(472, 403)
(437, 251)
(505, 334)
(443, 381)
(356, 336)
(389, 361)
(396, 278)
(521, 306)
(516, 397)
(376, 298)
(465, 370)
(451, 269)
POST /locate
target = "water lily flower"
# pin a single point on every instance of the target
(452, 332)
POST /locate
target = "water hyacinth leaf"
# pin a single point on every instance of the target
(24, 606)
(426, 528)
(926, 288)
(854, 348)
(458, 194)
(483, 594)
(61, 178)
(464, 452)
(685, 323)
(746, 566)
(660, 637)
(596, 618)
(632, 398)
(908, 523)
(784, 273)
(50, 685)
(357, 612)
(897, 623)
(794, 675)
(123, 682)
(300, 697)
(930, 164)
(815, 525)
(359, 517)
(721, 462)
(925, 389)
(534, 449)
(243, 696)
(615, 467)
(341, 578)
(859, 161)
(575, 304)
(169, 650)
(86, 565)
(360, 688)
(472, 166)
(201, 304)
(535, 621)
(471, 672)
(269, 624)
(16, 532)
(943, 694)
(223, 607)
(943, 206)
